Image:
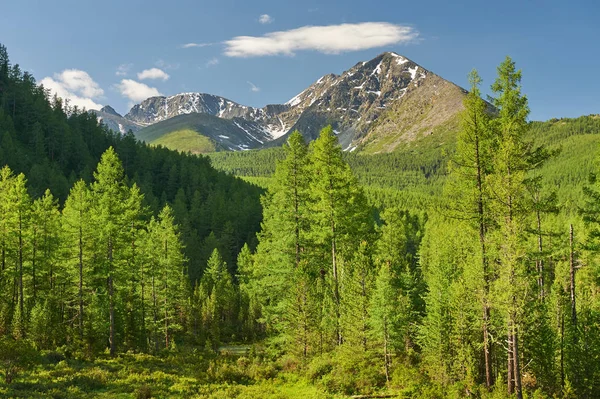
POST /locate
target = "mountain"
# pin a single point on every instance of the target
(375, 106)
(354, 101)
(114, 121)
(202, 132)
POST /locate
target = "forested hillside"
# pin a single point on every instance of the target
(56, 145)
(422, 168)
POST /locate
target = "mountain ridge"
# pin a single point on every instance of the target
(351, 102)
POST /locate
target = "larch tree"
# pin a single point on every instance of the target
(283, 241)
(510, 207)
(77, 228)
(468, 193)
(109, 195)
(339, 216)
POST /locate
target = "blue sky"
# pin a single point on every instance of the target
(95, 50)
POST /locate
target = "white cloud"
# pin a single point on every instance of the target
(192, 45)
(76, 86)
(265, 19)
(331, 39)
(136, 91)
(253, 87)
(212, 62)
(153, 73)
(123, 69)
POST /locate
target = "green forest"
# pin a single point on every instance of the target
(464, 268)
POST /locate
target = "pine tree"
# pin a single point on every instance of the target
(339, 217)
(21, 212)
(359, 281)
(217, 297)
(468, 189)
(250, 311)
(513, 158)
(388, 316)
(49, 278)
(109, 200)
(77, 230)
(283, 242)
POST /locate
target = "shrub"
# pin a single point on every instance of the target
(15, 356)
(143, 392)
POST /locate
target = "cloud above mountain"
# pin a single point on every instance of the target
(75, 86)
(136, 91)
(330, 39)
(153, 73)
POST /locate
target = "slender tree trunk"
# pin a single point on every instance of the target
(562, 348)
(510, 376)
(297, 218)
(365, 313)
(303, 312)
(80, 276)
(516, 365)
(572, 277)
(111, 294)
(336, 288)
(21, 296)
(155, 315)
(166, 296)
(143, 306)
(33, 265)
(540, 261)
(487, 352)
(385, 349)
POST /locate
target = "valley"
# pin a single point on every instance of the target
(383, 233)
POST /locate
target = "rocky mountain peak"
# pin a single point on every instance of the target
(110, 110)
(351, 102)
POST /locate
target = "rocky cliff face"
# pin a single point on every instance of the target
(114, 121)
(351, 102)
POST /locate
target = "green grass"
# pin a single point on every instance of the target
(188, 374)
(185, 140)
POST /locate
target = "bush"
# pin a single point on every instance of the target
(143, 392)
(93, 379)
(347, 371)
(53, 357)
(226, 372)
(15, 356)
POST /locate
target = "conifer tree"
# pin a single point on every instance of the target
(388, 320)
(339, 218)
(21, 213)
(469, 194)
(109, 198)
(283, 242)
(218, 298)
(77, 229)
(513, 158)
(49, 281)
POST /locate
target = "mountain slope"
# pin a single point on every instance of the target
(114, 121)
(411, 100)
(226, 134)
(157, 109)
(429, 107)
